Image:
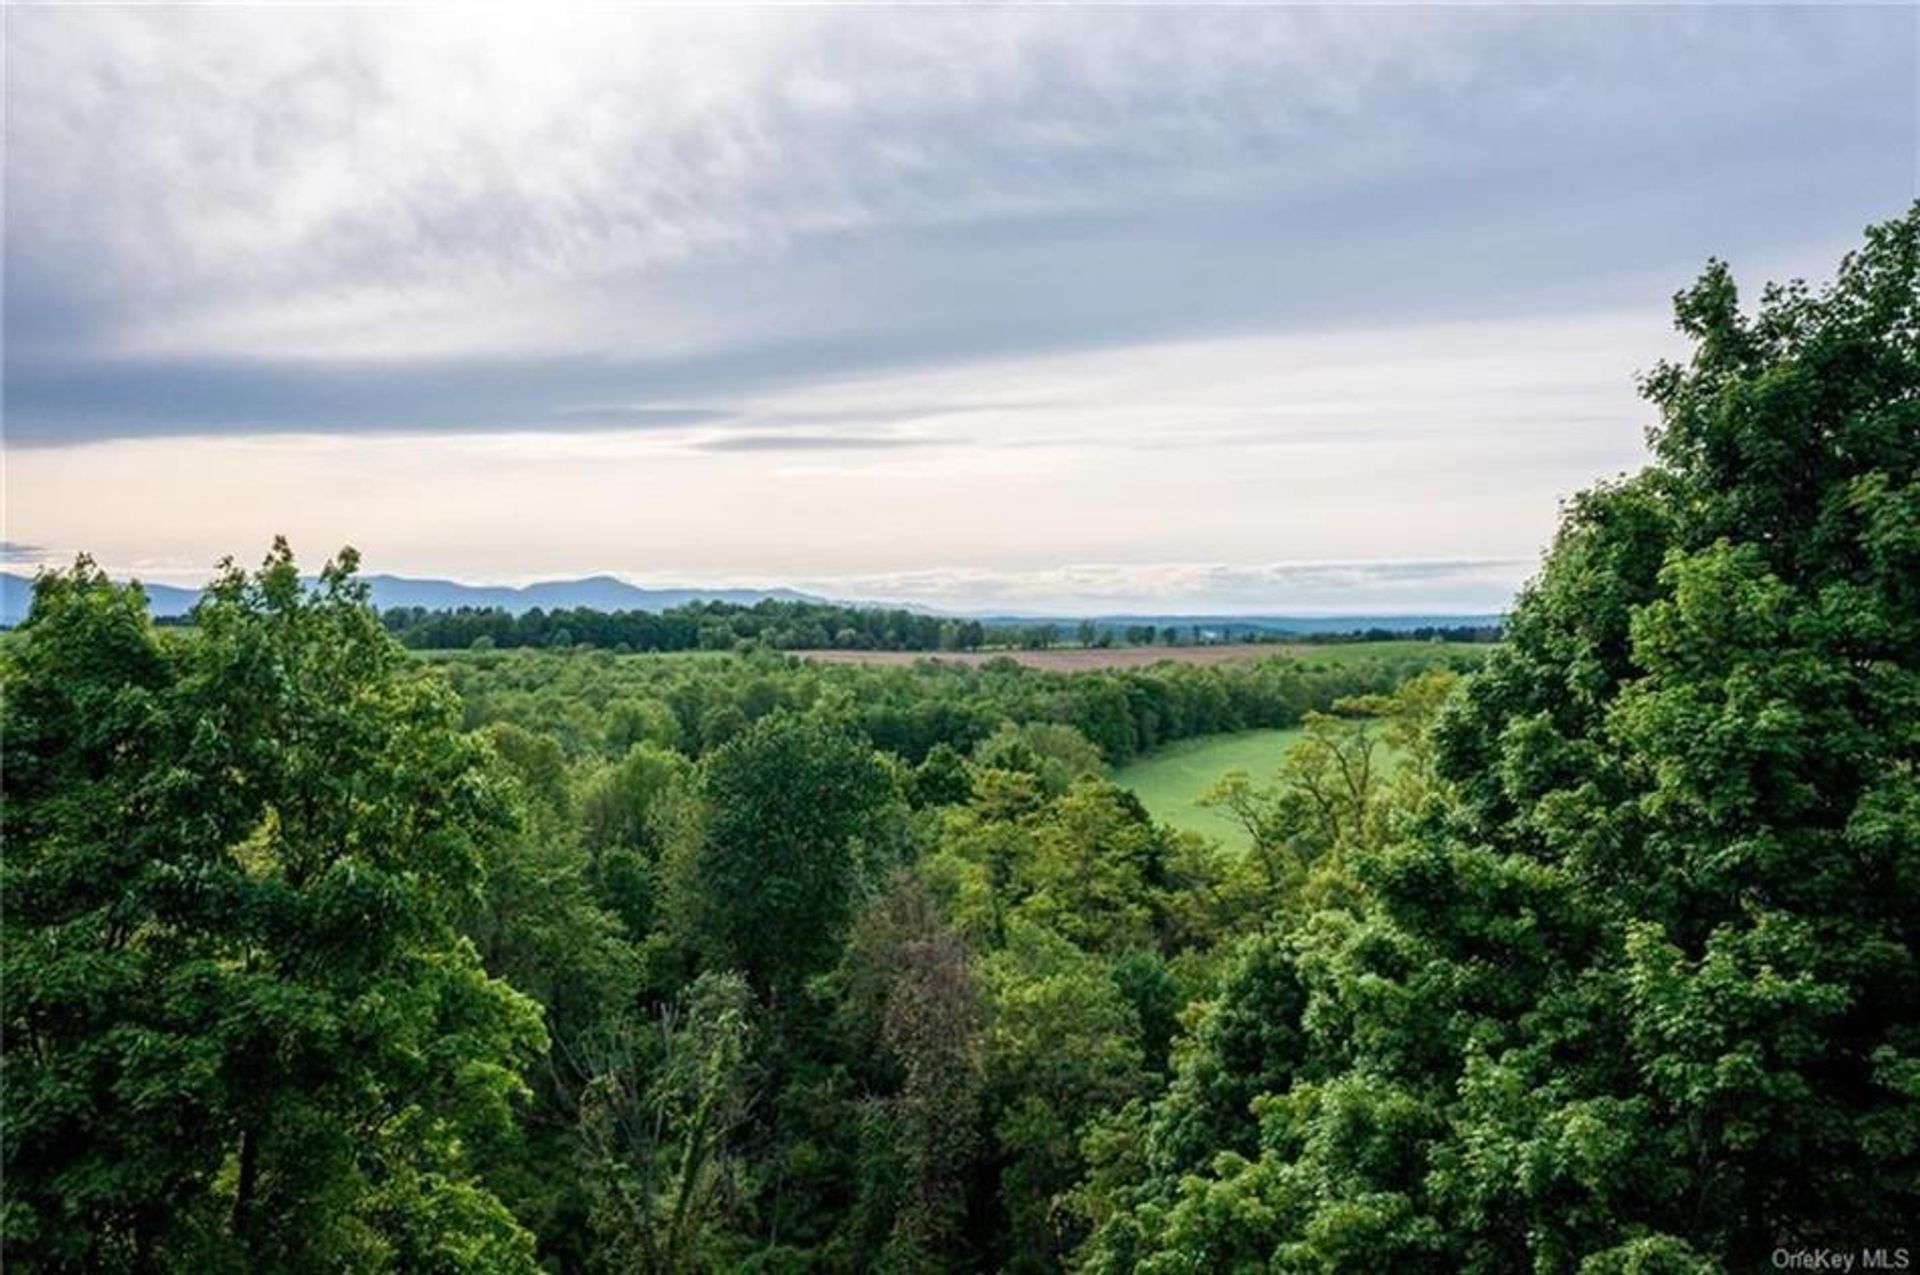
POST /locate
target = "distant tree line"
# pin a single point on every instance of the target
(698, 626)
(815, 626)
(1423, 633)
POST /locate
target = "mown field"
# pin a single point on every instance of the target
(1171, 782)
(1079, 658)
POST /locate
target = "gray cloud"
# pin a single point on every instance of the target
(1154, 287)
(380, 221)
(15, 551)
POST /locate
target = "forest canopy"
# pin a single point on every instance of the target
(1596, 955)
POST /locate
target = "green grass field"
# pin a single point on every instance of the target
(1171, 782)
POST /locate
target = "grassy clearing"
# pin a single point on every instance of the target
(1171, 782)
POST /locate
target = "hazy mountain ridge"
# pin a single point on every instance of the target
(608, 593)
(600, 593)
(16, 595)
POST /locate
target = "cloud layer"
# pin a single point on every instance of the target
(864, 265)
(1390, 587)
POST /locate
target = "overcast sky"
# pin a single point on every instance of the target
(1199, 309)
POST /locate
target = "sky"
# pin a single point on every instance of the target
(1280, 310)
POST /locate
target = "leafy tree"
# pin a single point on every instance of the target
(657, 1120)
(1056, 755)
(1148, 983)
(241, 1029)
(539, 926)
(537, 766)
(1336, 787)
(771, 884)
(913, 999)
(721, 724)
(640, 721)
(942, 778)
(632, 814)
(1640, 991)
(1094, 870)
(1063, 1047)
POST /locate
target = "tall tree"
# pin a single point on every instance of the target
(241, 1028)
(632, 812)
(657, 1119)
(914, 1008)
(771, 883)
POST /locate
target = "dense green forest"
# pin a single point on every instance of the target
(704, 626)
(603, 704)
(323, 956)
(780, 625)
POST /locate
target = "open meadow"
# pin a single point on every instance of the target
(1171, 782)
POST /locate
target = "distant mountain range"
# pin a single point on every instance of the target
(16, 593)
(599, 593)
(605, 593)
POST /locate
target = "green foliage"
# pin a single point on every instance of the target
(1064, 1046)
(1626, 978)
(637, 830)
(1601, 959)
(705, 626)
(632, 814)
(600, 704)
(941, 779)
(656, 1119)
(241, 1028)
(1054, 754)
(771, 883)
(913, 997)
